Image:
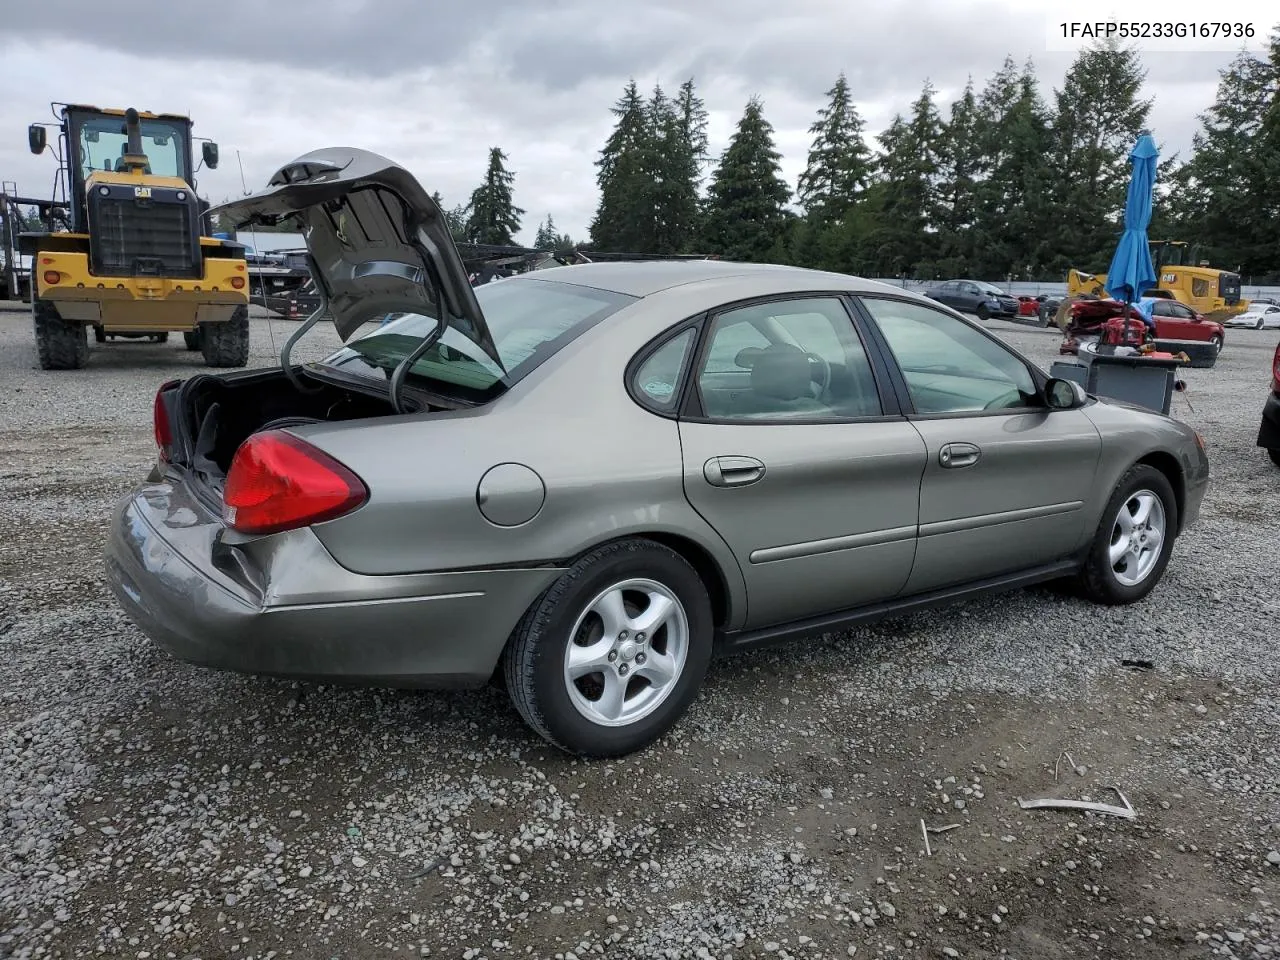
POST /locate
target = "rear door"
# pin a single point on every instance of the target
(798, 460)
(1005, 478)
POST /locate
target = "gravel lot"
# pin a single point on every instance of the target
(156, 810)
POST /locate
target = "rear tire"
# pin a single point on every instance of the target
(226, 344)
(596, 612)
(1274, 454)
(60, 344)
(1145, 496)
(161, 338)
(99, 335)
(192, 339)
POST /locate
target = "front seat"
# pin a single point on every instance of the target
(781, 382)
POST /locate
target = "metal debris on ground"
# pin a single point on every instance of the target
(1080, 771)
(429, 868)
(1138, 664)
(1052, 803)
(925, 830)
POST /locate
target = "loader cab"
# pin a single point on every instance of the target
(97, 142)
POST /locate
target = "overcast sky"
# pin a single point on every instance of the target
(434, 85)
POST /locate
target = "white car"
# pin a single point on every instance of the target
(1258, 316)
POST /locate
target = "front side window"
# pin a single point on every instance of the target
(949, 366)
(787, 360)
(530, 320)
(103, 143)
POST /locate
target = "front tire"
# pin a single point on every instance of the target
(60, 344)
(1274, 454)
(1134, 540)
(226, 344)
(611, 655)
(192, 339)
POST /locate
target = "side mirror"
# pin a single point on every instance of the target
(209, 151)
(36, 138)
(1062, 394)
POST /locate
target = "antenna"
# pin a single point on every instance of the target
(242, 180)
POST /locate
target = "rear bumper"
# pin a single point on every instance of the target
(1269, 431)
(282, 606)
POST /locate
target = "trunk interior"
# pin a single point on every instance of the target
(218, 415)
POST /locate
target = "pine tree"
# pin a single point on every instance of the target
(494, 216)
(960, 160)
(454, 217)
(839, 164)
(906, 198)
(681, 134)
(1099, 115)
(546, 238)
(745, 217)
(1012, 202)
(624, 217)
(1219, 197)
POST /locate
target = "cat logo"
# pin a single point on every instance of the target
(142, 193)
(1169, 278)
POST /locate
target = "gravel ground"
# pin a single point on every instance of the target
(152, 809)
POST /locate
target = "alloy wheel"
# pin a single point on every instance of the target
(1136, 538)
(626, 652)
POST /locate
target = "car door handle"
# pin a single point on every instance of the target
(959, 455)
(732, 471)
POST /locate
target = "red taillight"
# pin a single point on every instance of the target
(1275, 371)
(237, 282)
(160, 420)
(278, 482)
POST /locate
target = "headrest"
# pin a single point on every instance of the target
(782, 372)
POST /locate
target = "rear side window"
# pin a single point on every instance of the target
(656, 379)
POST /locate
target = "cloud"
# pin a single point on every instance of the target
(434, 86)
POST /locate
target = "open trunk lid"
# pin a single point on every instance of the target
(377, 242)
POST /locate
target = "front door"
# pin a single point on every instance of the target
(1006, 478)
(1177, 321)
(790, 453)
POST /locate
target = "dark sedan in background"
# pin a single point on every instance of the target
(975, 296)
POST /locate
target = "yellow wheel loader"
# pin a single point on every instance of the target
(135, 258)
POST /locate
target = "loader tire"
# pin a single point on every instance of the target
(192, 339)
(226, 344)
(60, 344)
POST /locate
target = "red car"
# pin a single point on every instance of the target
(1177, 321)
(1269, 432)
(1173, 321)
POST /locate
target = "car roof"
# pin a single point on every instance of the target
(642, 278)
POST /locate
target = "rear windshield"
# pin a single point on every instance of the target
(529, 320)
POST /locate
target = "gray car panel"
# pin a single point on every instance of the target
(830, 524)
(1020, 504)
(282, 605)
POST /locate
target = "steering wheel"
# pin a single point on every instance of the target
(826, 372)
(1003, 400)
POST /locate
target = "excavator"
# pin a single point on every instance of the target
(127, 248)
(1206, 290)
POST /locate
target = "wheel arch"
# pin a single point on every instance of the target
(726, 607)
(1169, 466)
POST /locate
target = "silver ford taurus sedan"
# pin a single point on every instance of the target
(584, 481)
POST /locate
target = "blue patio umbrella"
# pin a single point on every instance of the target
(1132, 272)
